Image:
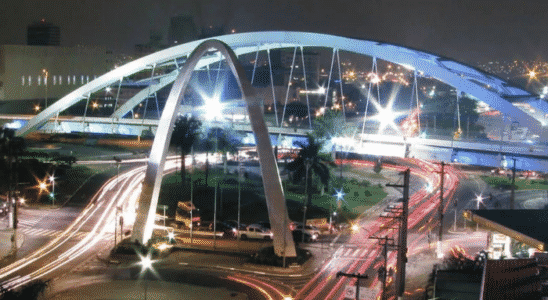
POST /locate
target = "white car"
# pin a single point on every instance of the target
(255, 231)
(312, 230)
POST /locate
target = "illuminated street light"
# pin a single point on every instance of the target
(479, 199)
(36, 108)
(52, 194)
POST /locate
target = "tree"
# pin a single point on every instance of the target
(184, 135)
(330, 125)
(308, 157)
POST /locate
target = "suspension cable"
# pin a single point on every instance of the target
(329, 80)
(272, 85)
(306, 88)
(373, 66)
(341, 85)
(255, 65)
(289, 84)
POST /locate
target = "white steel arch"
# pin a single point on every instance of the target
(490, 89)
(277, 210)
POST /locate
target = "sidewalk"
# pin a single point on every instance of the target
(6, 235)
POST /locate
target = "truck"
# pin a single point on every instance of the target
(184, 213)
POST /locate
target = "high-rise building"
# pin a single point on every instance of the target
(181, 30)
(43, 34)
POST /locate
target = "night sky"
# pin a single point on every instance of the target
(470, 31)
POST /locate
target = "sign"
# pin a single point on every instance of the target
(162, 206)
(367, 293)
(350, 292)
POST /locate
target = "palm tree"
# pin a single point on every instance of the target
(184, 135)
(307, 164)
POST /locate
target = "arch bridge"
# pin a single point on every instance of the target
(174, 66)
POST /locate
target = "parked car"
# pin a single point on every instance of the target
(255, 231)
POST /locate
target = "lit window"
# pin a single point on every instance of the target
(81, 79)
(30, 80)
(73, 79)
(39, 78)
(54, 79)
(22, 80)
(60, 79)
(46, 80)
(87, 79)
(68, 79)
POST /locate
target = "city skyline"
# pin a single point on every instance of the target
(468, 31)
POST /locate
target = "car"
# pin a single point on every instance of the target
(313, 231)
(255, 231)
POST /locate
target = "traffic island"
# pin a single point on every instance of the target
(267, 257)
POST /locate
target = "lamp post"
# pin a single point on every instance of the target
(307, 196)
(52, 194)
(479, 200)
(46, 75)
(146, 264)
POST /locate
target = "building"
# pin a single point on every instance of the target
(43, 34)
(182, 29)
(38, 74)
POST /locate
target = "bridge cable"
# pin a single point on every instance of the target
(458, 113)
(272, 85)
(218, 70)
(329, 79)
(255, 65)
(373, 66)
(306, 88)
(289, 84)
(341, 85)
(85, 112)
(416, 85)
(148, 95)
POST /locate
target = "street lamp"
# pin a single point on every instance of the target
(146, 264)
(479, 199)
(46, 75)
(52, 194)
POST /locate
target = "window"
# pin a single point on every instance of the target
(30, 80)
(68, 79)
(54, 79)
(22, 80)
(73, 79)
(87, 79)
(60, 79)
(39, 78)
(81, 79)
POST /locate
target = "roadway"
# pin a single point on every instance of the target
(76, 247)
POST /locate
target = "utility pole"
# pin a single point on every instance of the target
(383, 273)
(440, 208)
(358, 276)
(513, 191)
(402, 236)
